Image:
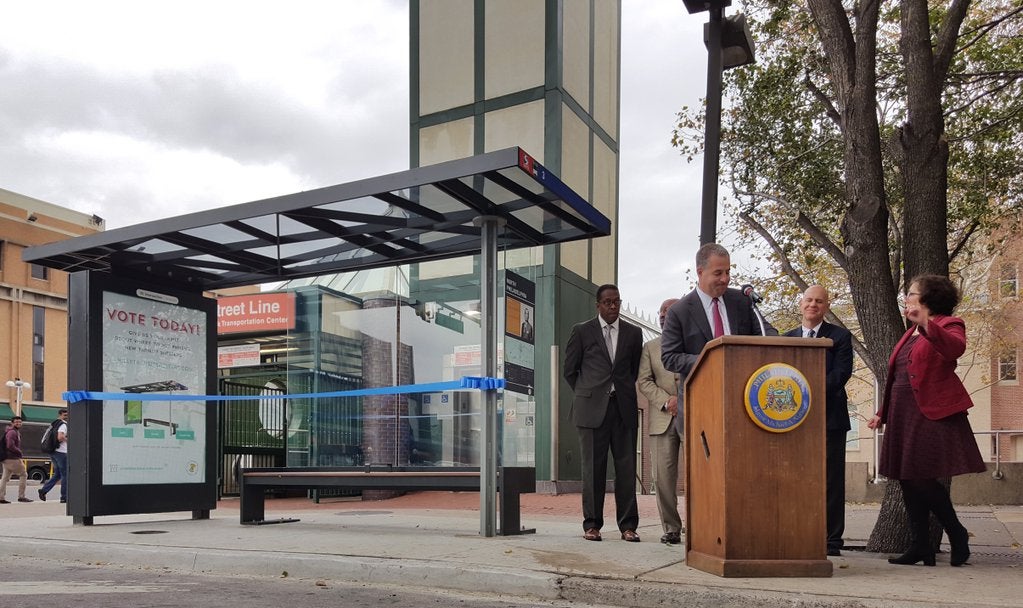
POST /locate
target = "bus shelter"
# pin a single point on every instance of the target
(501, 200)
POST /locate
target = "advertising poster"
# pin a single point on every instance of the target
(153, 346)
(520, 323)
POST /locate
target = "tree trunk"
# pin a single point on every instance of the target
(853, 69)
(852, 61)
(891, 532)
(923, 149)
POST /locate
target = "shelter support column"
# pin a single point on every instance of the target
(488, 345)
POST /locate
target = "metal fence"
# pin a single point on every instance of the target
(252, 432)
(996, 458)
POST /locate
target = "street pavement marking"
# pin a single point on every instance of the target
(64, 587)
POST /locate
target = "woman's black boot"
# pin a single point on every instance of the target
(958, 537)
(915, 555)
(920, 549)
(960, 544)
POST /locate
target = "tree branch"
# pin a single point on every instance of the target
(1013, 115)
(896, 248)
(807, 224)
(786, 264)
(979, 32)
(962, 242)
(829, 108)
(839, 46)
(822, 240)
(948, 35)
(798, 280)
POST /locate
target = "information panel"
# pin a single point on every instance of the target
(520, 324)
(153, 346)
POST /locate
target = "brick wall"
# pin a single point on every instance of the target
(385, 431)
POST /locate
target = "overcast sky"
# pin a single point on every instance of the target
(136, 111)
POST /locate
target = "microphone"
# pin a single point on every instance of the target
(747, 290)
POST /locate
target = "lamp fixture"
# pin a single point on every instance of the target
(699, 6)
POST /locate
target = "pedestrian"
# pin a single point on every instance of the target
(602, 365)
(927, 434)
(59, 458)
(14, 463)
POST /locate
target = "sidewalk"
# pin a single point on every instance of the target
(431, 540)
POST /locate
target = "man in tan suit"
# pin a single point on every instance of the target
(660, 387)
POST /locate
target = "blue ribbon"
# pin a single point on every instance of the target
(465, 383)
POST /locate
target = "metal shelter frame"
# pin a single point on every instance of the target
(482, 204)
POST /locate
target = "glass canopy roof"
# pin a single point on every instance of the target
(422, 214)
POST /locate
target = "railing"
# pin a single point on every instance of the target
(996, 474)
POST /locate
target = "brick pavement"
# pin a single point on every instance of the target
(560, 505)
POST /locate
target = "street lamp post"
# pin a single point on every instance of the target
(19, 385)
(729, 45)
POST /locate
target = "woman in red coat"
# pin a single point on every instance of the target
(927, 434)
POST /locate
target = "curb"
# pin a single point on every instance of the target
(373, 570)
(434, 575)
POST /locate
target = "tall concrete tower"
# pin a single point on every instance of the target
(542, 75)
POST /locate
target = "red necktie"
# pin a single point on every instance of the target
(719, 325)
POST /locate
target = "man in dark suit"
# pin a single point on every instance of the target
(710, 310)
(838, 367)
(601, 366)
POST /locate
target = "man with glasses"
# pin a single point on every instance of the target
(602, 365)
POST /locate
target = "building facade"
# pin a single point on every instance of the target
(33, 304)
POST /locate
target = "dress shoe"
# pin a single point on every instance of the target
(960, 547)
(4, 502)
(592, 534)
(42, 496)
(834, 552)
(913, 556)
(630, 536)
(23, 499)
(63, 500)
(671, 538)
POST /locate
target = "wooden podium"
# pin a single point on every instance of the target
(755, 458)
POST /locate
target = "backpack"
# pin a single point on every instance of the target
(3, 445)
(49, 443)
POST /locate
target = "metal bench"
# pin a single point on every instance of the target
(511, 482)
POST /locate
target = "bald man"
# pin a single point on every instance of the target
(814, 304)
(660, 387)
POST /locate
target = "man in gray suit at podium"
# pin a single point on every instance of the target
(709, 311)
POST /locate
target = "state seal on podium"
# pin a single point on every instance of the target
(777, 397)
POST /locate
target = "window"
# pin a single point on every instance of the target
(1008, 283)
(38, 335)
(1007, 368)
(40, 272)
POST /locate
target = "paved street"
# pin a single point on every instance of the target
(43, 583)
